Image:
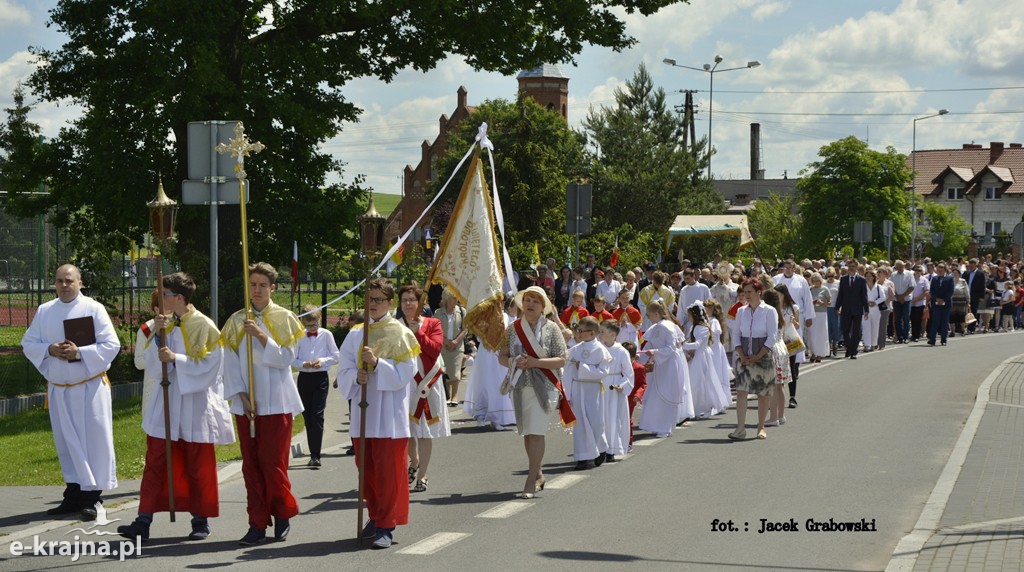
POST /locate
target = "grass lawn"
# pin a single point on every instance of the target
(30, 458)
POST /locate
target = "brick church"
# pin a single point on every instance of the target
(547, 84)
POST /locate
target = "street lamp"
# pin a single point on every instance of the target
(711, 70)
(913, 186)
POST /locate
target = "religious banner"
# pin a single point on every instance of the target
(468, 260)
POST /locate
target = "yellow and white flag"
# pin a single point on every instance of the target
(468, 262)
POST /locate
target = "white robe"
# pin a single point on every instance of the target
(82, 415)
(388, 392)
(800, 290)
(198, 411)
(668, 386)
(149, 384)
(708, 397)
(616, 402)
(488, 404)
(586, 367)
(721, 358)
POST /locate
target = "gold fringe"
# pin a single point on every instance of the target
(487, 321)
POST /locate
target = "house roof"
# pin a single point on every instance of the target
(544, 70)
(970, 164)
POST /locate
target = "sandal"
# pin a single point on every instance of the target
(738, 434)
(412, 473)
(421, 486)
(761, 434)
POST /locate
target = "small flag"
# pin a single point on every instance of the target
(615, 254)
(295, 267)
(395, 259)
(536, 256)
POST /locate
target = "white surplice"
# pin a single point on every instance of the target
(616, 402)
(667, 399)
(586, 366)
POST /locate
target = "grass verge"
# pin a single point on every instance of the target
(29, 456)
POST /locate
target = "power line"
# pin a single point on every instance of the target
(872, 91)
(809, 114)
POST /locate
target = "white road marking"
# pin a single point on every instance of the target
(648, 442)
(505, 510)
(434, 543)
(564, 481)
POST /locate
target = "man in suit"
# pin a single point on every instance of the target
(942, 298)
(852, 306)
(975, 279)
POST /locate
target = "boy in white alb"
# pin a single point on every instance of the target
(586, 366)
(619, 384)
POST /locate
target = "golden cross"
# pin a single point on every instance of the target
(240, 147)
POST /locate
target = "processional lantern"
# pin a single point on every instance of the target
(371, 230)
(163, 212)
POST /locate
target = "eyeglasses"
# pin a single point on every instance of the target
(168, 293)
(378, 300)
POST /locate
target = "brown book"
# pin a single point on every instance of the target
(80, 331)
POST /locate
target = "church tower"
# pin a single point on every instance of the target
(548, 85)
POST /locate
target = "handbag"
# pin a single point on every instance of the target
(882, 306)
(970, 318)
(791, 337)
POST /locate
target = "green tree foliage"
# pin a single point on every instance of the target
(775, 225)
(853, 183)
(142, 70)
(536, 155)
(956, 232)
(642, 172)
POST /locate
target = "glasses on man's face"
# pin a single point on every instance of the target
(378, 299)
(169, 294)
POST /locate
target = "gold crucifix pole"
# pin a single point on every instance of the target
(240, 147)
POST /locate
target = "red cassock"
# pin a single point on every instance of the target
(195, 478)
(639, 387)
(602, 315)
(631, 313)
(567, 313)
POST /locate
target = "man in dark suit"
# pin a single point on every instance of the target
(942, 298)
(975, 279)
(852, 306)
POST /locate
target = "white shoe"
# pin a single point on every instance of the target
(771, 423)
(782, 421)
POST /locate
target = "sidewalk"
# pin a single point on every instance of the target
(975, 518)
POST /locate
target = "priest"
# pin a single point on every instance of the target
(199, 416)
(72, 342)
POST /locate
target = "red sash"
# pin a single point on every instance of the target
(423, 405)
(564, 411)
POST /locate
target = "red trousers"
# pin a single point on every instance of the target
(195, 478)
(386, 481)
(632, 405)
(265, 468)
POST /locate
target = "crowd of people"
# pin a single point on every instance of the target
(582, 350)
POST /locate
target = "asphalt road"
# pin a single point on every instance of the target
(868, 442)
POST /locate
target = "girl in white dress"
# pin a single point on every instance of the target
(668, 385)
(876, 295)
(708, 397)
(719, 342)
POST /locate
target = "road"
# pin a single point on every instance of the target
(868, 442)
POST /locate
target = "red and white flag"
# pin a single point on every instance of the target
(615, 254)
(295, 267)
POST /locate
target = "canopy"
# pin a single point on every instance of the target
(704, 225)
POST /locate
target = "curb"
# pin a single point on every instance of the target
(904, 556)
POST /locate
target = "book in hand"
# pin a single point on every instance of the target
(80, 331)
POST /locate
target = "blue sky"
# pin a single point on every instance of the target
(903, 57)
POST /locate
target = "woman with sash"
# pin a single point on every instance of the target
(428, 415)
(534, 351)
(757, 327)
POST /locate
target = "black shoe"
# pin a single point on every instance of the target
(853, 357)
(609, 458)
(792, 403)
(314, 462)
(583, 466)
(64, 507)
(89, 512)
(599, 460)
(370, 530)
(136, 529)
(350, 452)
(943, 343)
(931, 342)
(281, 529)
(200, 529)
(253, 537)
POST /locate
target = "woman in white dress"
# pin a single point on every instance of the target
(817, 342)
(428, 415)
(535, 397)
(487, 375)
(708, 397)
(719, 341)
(876, 295)
(668, 385)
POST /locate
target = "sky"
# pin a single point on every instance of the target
(829, 69)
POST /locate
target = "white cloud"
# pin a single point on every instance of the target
(769, 9)
(12, 14)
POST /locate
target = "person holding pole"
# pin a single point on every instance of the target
(273, 334)
(380, 357)
(198, 413)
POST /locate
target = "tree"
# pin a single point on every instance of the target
(536, 156)
(775, 225)
(852, 183)
(642, 172)
(956, 232)
(142, 70)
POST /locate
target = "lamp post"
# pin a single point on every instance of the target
(711, 70)
(371, 236)
(162, 214)
(913, 186)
